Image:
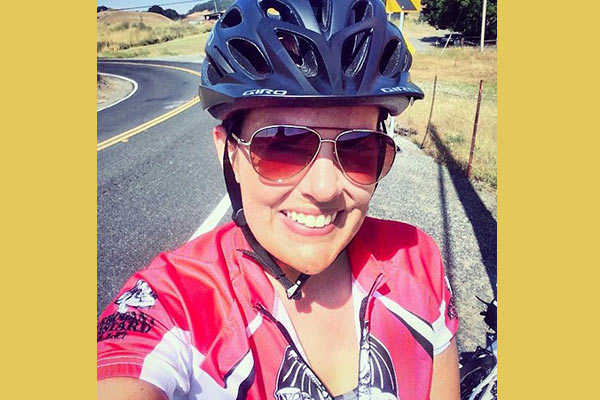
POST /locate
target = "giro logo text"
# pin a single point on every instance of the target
(395, 89)
(272, 92)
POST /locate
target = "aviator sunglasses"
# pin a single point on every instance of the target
(279, 152)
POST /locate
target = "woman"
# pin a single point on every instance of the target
(304, 297)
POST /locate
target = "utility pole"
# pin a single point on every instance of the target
(483, 23)
(215, 3)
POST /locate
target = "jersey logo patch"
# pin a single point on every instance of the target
(140, 296)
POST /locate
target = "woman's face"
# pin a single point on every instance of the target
(280, 214)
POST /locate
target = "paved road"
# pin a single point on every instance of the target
(159, 90)
(156, 189)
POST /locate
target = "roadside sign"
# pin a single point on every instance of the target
(402, 6)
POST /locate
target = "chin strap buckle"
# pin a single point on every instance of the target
(293, 292)
(239, 218)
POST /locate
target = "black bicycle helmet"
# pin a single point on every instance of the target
(305, 53)
(311, 53)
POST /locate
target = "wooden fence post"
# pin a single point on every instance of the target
(430, 111)
(474, 130)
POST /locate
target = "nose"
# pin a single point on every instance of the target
(323, 180)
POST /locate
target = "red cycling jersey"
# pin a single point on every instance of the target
(204, 322)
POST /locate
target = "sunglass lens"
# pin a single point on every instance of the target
(365, 157)
(282, 152)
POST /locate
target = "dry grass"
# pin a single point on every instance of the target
(190, 45)
(120, 31)
(413, 27)
(116, 17)
(458, 73)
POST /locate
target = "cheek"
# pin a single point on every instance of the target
(259, 199)
(361, 197)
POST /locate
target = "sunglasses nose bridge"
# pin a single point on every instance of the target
(333, 142)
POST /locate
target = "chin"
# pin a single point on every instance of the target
(309, 261)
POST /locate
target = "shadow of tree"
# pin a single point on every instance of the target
(481, 219)
(431, 39)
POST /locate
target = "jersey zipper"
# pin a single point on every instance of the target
(364, 367)
(258, 306)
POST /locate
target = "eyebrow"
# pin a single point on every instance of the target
(341, 128)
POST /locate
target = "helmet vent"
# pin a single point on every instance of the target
(249, 57)
(407, 61)
(354, 52)
(231, 19)
(210, 73)
(360, 11)
(277, 10)
(322, 11)
(301, 52)
(390, 59)
(221, 61)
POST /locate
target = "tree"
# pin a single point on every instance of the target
(101, 8)
(169, 13)
(210, 5)
(202, 7)
(462, 16)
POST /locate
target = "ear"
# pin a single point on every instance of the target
(219, 139)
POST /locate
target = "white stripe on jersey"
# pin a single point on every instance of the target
(253, 325)
(168, 367)
(412, 320)
(281, 315)
(441, 334)
(204, 387)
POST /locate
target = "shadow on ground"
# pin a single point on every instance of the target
(481, 219)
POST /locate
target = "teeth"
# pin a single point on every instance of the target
(311, 221)
(320, 221)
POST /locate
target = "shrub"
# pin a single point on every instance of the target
(122, 26)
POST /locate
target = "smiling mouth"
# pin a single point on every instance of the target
(311, 221)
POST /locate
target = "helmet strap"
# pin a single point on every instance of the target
(259, 254)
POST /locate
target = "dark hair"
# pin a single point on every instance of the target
(234, 122)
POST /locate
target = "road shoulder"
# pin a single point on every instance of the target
(111, 89)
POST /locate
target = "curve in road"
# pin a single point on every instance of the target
(114, 103)
(162, 88)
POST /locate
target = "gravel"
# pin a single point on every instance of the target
(111, 89)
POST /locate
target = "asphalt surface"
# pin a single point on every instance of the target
(159, 186)
(156, 189)
(159, 91)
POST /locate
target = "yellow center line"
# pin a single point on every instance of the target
(122, 137)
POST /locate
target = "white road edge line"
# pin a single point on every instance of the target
(135, 88)
(213, 219)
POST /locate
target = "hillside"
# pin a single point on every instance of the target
(197, 16)
(122, 30)
(108, 18)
